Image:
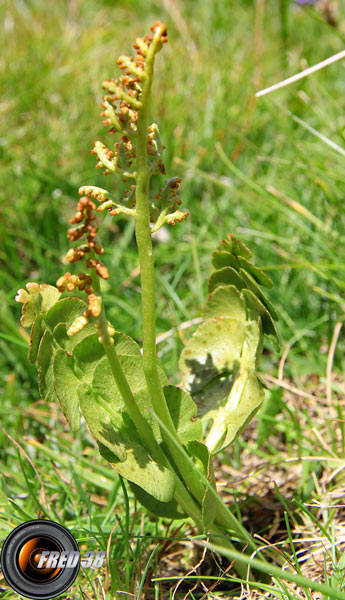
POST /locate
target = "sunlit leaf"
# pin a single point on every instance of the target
(128, 457)
(214, 349)
(183, 412)
(218, 364)
(234, 246)
(36, 298)
(35, 337)
(204, 462)
(225, 276)
(225, 301)
(45, 367)
(65, 386)
(169, 510)
(255, 272)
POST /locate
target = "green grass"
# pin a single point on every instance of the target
(241, 166)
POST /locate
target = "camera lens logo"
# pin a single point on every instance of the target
(40, 559)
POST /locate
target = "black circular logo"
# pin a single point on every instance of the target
(40, 559)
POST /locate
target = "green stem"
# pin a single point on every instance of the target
(193, 510)
(140, 422)
(144, 242)
(223, 517)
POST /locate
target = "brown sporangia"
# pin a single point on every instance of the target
(84, 219)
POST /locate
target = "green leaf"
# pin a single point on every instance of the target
(65, 386)
(218, 364)
(169, 510)
(32, 307)
(257, 273)
(225, 301)
(257, 291)
(234, 246)
(104, 386)
(50, 295)
(70, 342)
(218, 367)
(88, 352)
(67, 366)
(76, 357)
(238, 255)
(225, 276)
(103, 382)
(45, 367)
(35, 337)
(182, 409)
(240, 408)
(214, 349)
(49, 332)
(64, 311)
(245, 396)
(87, 355)
(104, 419)
(38, 298)
(141, 469)
(126, 345)
(128, 457)
(268, 325)
(183, 413)
(54, 323)
(143, 400)
(230, 404)
(209, 501)
(221, 259)
(211, 398)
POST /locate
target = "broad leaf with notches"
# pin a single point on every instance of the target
(219, 363)
(75, 372)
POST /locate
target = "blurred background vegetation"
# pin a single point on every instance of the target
(270, 171)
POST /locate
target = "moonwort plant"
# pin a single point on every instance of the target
(159, 437)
